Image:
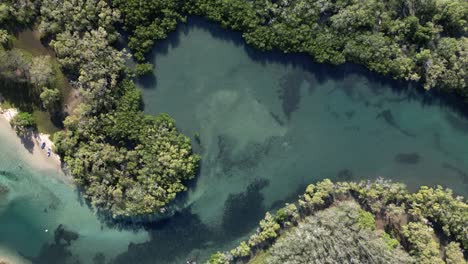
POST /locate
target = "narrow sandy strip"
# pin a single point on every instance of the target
(9, 257)
(38, 157)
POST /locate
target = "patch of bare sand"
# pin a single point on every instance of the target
(37, 157)
(9, 257)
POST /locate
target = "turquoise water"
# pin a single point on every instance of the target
(277, 122)
(42, 199)
(268, 124)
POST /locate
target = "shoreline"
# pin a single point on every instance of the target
(10, 257)
(37, 156)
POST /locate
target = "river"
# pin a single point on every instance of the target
(266, 125)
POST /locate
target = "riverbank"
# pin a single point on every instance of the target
(9, 257)
(32, 142)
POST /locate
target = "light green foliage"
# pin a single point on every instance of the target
(143, 69)
(267, 231)
(378, 194)
(287, 215)
(40, 71)
(148, 21)
(440, 206)
(5, 38)
(316, 196)
(384, 36)
(96, 64)
(453, 254)
(366, 220)
(218, 258)
(316, 231)
(243, 250)
(334, 236)
(77, 16)
(127, 163)
(50, 98)
(389, 241)
(5, 11)
(22, 122)
(16, 13)
(422, 243)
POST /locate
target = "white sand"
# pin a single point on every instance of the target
(8, 114)
(10, 257)
(38, 158)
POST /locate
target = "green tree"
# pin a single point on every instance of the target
(422, 244)
(22, 122)
(40, 71)
(50, 98)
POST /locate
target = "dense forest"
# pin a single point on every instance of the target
(126, 163)
(130, 164)
(413, 40)
(365, 222)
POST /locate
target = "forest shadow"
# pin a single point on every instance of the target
(184, 233)
(322, 72)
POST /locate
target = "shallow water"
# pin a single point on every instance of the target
(278, 122)
(38, 201)
(268, 123)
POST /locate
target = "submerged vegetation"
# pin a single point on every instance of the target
(407, 39)
(366, 222)
(130, 164)
(127, 164)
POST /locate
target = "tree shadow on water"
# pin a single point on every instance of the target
(174, 239)
(322, 72)
(242, 211)
(58, 251)
(170, 239)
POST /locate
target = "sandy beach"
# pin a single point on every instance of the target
(9, 257)
(37, 156)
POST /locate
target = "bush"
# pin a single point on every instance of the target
(22, 122)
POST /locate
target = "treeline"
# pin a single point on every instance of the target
(28, 81)
(336, 222)
(408, 39)
(126, 163)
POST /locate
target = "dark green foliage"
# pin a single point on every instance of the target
(334, 235)
(440, 206)
(144, 69)
(17, 13)
(148, 21)
(50, 98)
(422, 244)
(384, 36)
(218, 258)
(22, 122)
(349, 231)
(127, 163)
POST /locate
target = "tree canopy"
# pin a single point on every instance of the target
(412, 40)
(337, 223)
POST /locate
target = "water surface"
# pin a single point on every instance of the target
(268, 124)
(271, 123)
(38, 202)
